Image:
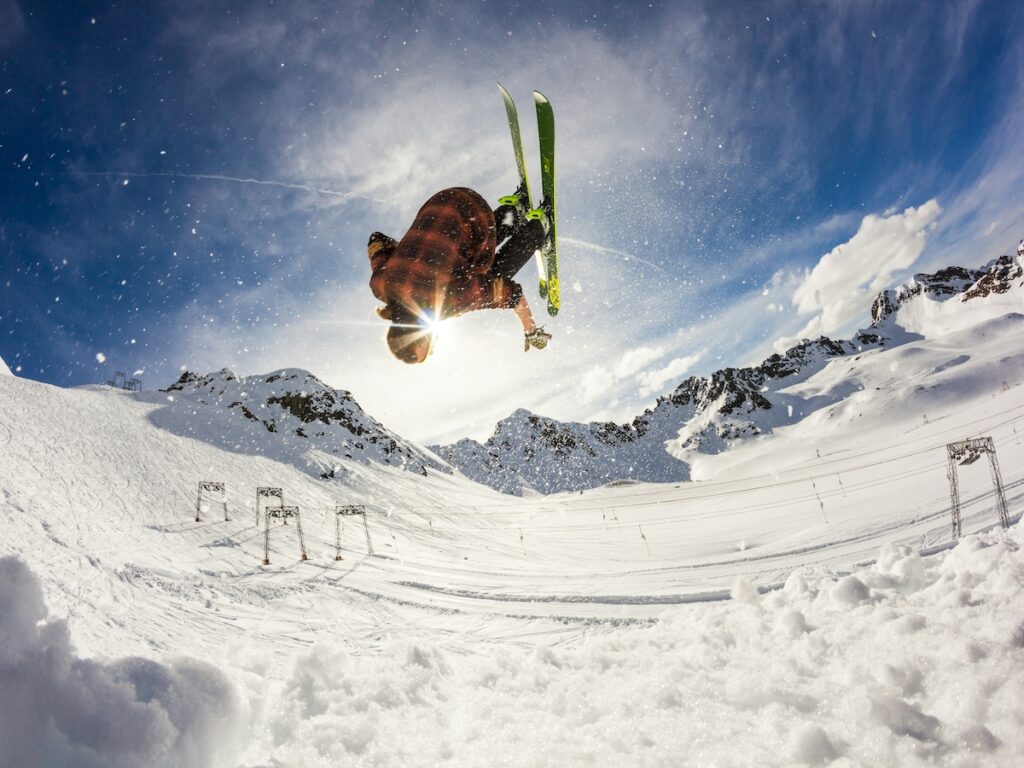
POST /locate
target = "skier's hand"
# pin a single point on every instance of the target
(538, 338)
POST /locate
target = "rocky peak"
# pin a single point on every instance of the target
(735, 388)
(702, 414)
(193, 382)
(996, 277)
(999, 276)
(942, 284)
(295, 403)
(532, 451)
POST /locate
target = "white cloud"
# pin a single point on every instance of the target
(478, 375)
(636, 359)
(653, 382)
(594, 368)
(431, 121)
(845, 280)
(596, 382)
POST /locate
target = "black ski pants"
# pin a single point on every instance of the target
(516, 241)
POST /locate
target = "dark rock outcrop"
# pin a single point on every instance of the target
(296, 404)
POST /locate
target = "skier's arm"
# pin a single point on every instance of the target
(522, 309)
(533, 335)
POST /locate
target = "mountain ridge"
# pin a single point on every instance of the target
(703, 414)
(317, 425)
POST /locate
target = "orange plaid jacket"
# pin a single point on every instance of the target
(443, 262)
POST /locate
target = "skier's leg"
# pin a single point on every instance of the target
(506, 219)
(519, 249)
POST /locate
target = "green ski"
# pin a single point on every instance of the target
(549, 253)
(521, 198)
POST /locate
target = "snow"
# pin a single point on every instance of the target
(941, 318)
(4, 370)
(59, 709)
(800, 603)
(928, 671)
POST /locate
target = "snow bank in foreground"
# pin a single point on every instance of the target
(58, 709)
(4, 370)
(911, 662)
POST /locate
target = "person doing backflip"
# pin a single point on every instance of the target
(458, 256)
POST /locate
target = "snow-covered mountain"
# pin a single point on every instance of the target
(707, 415)
(289, 415)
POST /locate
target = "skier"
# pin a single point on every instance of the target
(458, 256)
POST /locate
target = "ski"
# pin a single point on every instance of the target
(521, 199)
(549, 253)
(547, 265)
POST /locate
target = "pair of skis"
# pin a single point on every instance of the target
(548, 264)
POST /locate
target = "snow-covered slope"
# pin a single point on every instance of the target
(709, 415)
(4, 370)
(582, 629)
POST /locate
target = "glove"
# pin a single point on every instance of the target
(536, 338)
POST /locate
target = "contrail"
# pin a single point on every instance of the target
(236, 179)
(331, 193)
(610, 251)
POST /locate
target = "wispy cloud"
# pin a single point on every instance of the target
(984, 200)
(479, 372)
(654, 382)
(12, 22)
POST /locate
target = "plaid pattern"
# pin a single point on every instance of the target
(443, 262)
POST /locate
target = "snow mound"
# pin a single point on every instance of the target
(4, 370)
(59, 709)
(918, 662)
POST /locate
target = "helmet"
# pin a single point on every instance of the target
(410, 343)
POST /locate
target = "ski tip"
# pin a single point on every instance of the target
(540, 98)
(503, 89)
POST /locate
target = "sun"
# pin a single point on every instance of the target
(440, 330)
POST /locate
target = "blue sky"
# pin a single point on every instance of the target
(191, 184)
